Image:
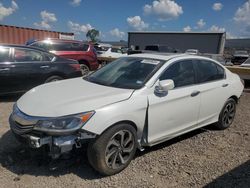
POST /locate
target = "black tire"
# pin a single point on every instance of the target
(106, 147)
(53, 79)
(84, 69)
(227, 114)
(104, 63)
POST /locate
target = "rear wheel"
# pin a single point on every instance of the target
(84, 69)
(112, 152)
(227, 114)
(104, 63)
(53, 79)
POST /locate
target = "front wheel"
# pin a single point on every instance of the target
(227, 114)
(112, 151)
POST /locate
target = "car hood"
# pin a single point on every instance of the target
(68, 97)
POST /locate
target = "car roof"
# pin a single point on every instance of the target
(160, 56)
(61, 40)
(168, 56)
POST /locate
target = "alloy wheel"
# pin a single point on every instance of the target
(119, 149)
(84, 70)
(228, 114)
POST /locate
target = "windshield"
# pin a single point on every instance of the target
(127, 73)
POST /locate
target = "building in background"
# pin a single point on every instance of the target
(205, 42)
(238, 44)
(21, 35)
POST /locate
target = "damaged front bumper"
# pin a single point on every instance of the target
(57, 144)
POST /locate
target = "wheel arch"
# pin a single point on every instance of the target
(55, 74)
(234, 97)
(84, 61)
(120, 122)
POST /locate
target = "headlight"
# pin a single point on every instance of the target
(64, 124)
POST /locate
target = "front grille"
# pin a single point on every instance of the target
(18, 128)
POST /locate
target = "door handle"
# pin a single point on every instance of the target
(195, 93)
(4, 69)
(44, 66)
(225, 85)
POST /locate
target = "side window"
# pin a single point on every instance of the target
(221, 72)
(67, 46)
(116, 50)
(209, 71)
(182, 73)
(4, 54)
(48, 57)
(27, 55)
(42, 45)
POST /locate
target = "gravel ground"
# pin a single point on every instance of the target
(203, 158)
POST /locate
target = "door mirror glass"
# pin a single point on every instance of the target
(164, 86)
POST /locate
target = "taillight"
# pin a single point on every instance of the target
(76, 67)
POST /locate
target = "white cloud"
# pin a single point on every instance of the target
(164, 9)
(75, 3)
(47, 19)
(117, 33)
(243, 13)
(4, 11)
(78, 28)
(215, 28)
(201, 23)
(137, 23)
(242, 18)
(187, 29)
(217, 6)
(230, 36)
(42, 24)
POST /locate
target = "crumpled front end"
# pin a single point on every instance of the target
(58, 142)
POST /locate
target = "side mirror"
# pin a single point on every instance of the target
(164, 86)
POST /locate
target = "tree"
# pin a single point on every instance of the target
(93, 35)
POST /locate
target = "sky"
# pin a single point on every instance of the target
(114, 18)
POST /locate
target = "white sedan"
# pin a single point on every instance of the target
(112, 53)
(131, 103)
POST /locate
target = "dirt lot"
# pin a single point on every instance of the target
(205, 157)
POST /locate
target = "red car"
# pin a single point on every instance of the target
(84, 53)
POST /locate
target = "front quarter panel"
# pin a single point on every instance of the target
(132, 109)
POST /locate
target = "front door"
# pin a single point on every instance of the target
(178, 111)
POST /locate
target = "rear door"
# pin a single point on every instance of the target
(213, 88)
(30, 68)
(7, 79)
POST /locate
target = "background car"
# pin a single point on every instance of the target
(112, 53)
(246, 63)
(219, 58)
(154, 49)
(239, 57)
(84, 53)
(102, 47)
(192, 51)
(22, 68)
